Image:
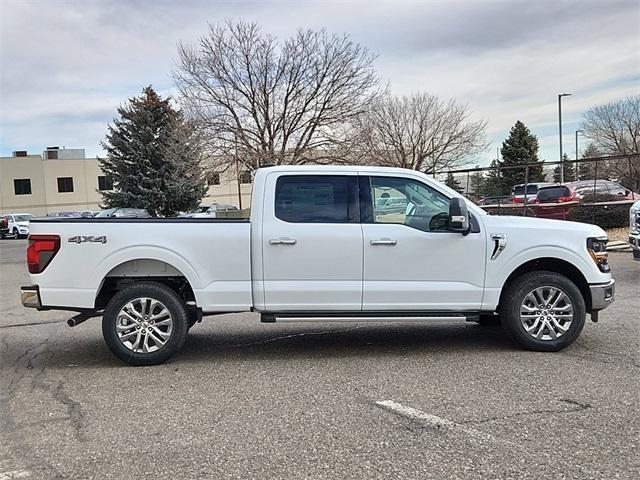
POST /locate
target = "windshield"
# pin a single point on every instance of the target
(21, 218)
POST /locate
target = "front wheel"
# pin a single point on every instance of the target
(145, 324)
(543, 311)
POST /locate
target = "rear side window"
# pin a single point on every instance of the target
(317, 199)
(553, 193)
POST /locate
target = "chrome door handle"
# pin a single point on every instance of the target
(282, 241)
(383, 241)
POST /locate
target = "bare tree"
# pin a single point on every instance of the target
(420, 132)
(264, 101)
(615, 127)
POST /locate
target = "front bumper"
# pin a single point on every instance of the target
(635, 245)
(30, 296)
(602, 295)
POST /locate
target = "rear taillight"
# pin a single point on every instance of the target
(41, 250)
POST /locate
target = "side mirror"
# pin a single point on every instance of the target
(458, 216)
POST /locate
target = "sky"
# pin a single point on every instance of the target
(66, 66)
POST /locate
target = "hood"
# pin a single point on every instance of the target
(542, 224)
(22, 224)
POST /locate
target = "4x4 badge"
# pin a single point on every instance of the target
(90, 238)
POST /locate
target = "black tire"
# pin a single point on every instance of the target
(16, 234)
(514, 296)
(155, 291)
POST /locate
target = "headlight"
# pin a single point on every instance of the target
(597, 248)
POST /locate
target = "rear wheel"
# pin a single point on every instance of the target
(145, 324)
(543, 311)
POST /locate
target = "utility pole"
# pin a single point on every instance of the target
(560, 95)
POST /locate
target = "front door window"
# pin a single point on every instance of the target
(408, 202)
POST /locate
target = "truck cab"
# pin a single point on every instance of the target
(330, 243)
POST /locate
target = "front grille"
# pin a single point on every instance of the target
(634, 220)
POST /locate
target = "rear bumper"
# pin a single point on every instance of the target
(30, 296)
(602, 295)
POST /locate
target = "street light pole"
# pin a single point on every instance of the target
(577, 132)
(560, 95)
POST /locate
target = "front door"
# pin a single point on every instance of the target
(411, 261)
(312, 243)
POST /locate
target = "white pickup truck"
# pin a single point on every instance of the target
(323, 244)
(634, 229)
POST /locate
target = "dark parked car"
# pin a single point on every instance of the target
(501, 200)
(602, 190)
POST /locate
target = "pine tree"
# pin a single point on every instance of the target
(154, 157)
(451, 182)
(494, 185)
(477, 184)
(519, 149)
(569, 170)
(586, 170)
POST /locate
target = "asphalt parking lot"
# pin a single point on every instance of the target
(249, 400)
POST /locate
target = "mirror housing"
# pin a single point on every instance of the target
(458, 216)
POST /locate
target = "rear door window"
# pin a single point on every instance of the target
(317, 199)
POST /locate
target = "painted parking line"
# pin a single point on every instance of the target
(447, 425)
(437, 422)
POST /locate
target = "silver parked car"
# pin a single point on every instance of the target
(124, 213)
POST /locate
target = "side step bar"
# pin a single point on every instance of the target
(367, 316)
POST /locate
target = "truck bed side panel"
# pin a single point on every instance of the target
(213, 256)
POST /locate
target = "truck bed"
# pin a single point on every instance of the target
(212, 254)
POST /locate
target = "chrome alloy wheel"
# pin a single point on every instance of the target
(546, 313)
(144, 325)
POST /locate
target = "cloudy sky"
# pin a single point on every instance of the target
(66, 66)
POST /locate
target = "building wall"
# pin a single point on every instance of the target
(45, 198)
(227, 191)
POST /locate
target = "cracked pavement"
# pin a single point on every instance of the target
(250, 400)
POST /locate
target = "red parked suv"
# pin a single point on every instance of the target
(560, 195)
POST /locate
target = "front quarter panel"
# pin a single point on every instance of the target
(534, 239)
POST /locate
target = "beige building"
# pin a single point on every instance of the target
(62, 180)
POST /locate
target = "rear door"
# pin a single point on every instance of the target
(411, 261)
(312, 242)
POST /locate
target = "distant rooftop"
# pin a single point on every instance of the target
(54, 153)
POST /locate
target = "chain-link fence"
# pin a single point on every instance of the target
(595, 190)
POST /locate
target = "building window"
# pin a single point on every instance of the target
(22, 186)
(65, 184)
(213, 178)
(52, 154)
(245, 176)
(105, 182)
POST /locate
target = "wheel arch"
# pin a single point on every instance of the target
(551, 264)
(138, 270)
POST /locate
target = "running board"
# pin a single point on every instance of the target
(367, 317)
